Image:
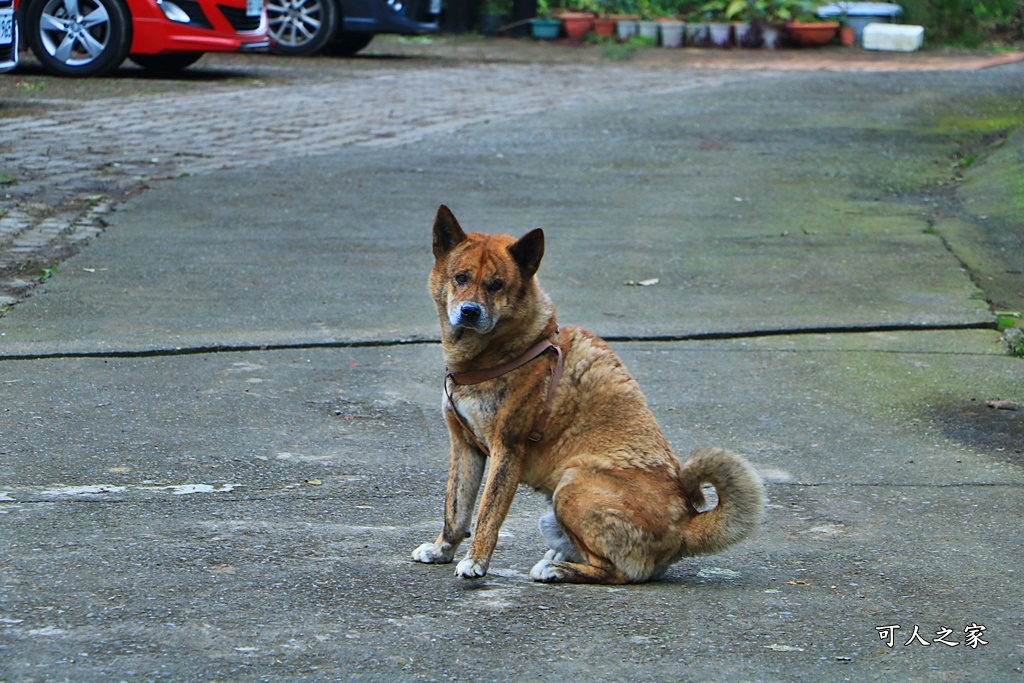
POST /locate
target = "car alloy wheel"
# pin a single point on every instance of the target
(301, 27)
(78, 37)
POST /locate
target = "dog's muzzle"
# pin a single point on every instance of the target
(471, 315)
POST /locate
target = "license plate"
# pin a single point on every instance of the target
(435, 6)
(6, 27)
(253, 8)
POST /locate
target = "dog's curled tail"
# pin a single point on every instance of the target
(740, 506)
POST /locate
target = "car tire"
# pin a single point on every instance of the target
(301, 27)
(346, 44)
(167, 63)
(78, 37)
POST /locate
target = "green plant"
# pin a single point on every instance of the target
(624, 7)
(748, 10)
(1007, 319)
(714, 10)
(967, 160)
(781, 11)
(745, 10)
(673, 8)
(1014, 338)
(46, 273)
(496, 7)
(615, 51)
(652, 9)
(962, 22)
(543, 9)
(647, 9)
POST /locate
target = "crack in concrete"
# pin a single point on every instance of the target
(391, 343)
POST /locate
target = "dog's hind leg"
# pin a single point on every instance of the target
(560, 545)
(559, 571)
(570, 560)
(595, 536)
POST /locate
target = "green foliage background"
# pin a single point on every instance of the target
(966, 23)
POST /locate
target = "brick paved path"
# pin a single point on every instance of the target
(74, 162)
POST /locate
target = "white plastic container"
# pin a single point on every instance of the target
(893, 37)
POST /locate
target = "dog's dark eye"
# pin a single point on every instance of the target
(495, 286)
(461, 278)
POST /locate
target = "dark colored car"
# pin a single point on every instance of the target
(93, 37)
(344, 27)
(8, 36)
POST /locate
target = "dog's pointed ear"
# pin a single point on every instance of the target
(447, 232)
(528, 252)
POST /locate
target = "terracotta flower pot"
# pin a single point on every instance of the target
(847, 36)
(811, 34)
(604, 27)
(577, 24)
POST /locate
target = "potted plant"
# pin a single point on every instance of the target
(772, 18)
(493, 15)
(648, 26)
(773, 22)
(719, 29)
(761, 22)
(696, 29)
(543, 26)
(578, 21)
(625, 16)
(847, 34)
(604, 22)
(670, 26)
(743, 14)
(805, 29)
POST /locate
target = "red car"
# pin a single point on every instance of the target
(93, 37)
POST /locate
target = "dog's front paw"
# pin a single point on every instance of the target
(470, 568)
(431, 553)
(546, 571)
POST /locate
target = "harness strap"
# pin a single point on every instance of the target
(479, 376)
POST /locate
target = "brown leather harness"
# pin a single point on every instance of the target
(479, 376)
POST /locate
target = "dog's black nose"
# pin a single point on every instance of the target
(470, 311)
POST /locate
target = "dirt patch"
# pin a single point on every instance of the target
(999, 433)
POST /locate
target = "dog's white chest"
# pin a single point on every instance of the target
(476, 414)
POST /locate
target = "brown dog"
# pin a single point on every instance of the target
(556, 410)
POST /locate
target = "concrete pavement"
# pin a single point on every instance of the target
(220, 436)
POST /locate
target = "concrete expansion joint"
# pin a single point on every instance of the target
(390, 343)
